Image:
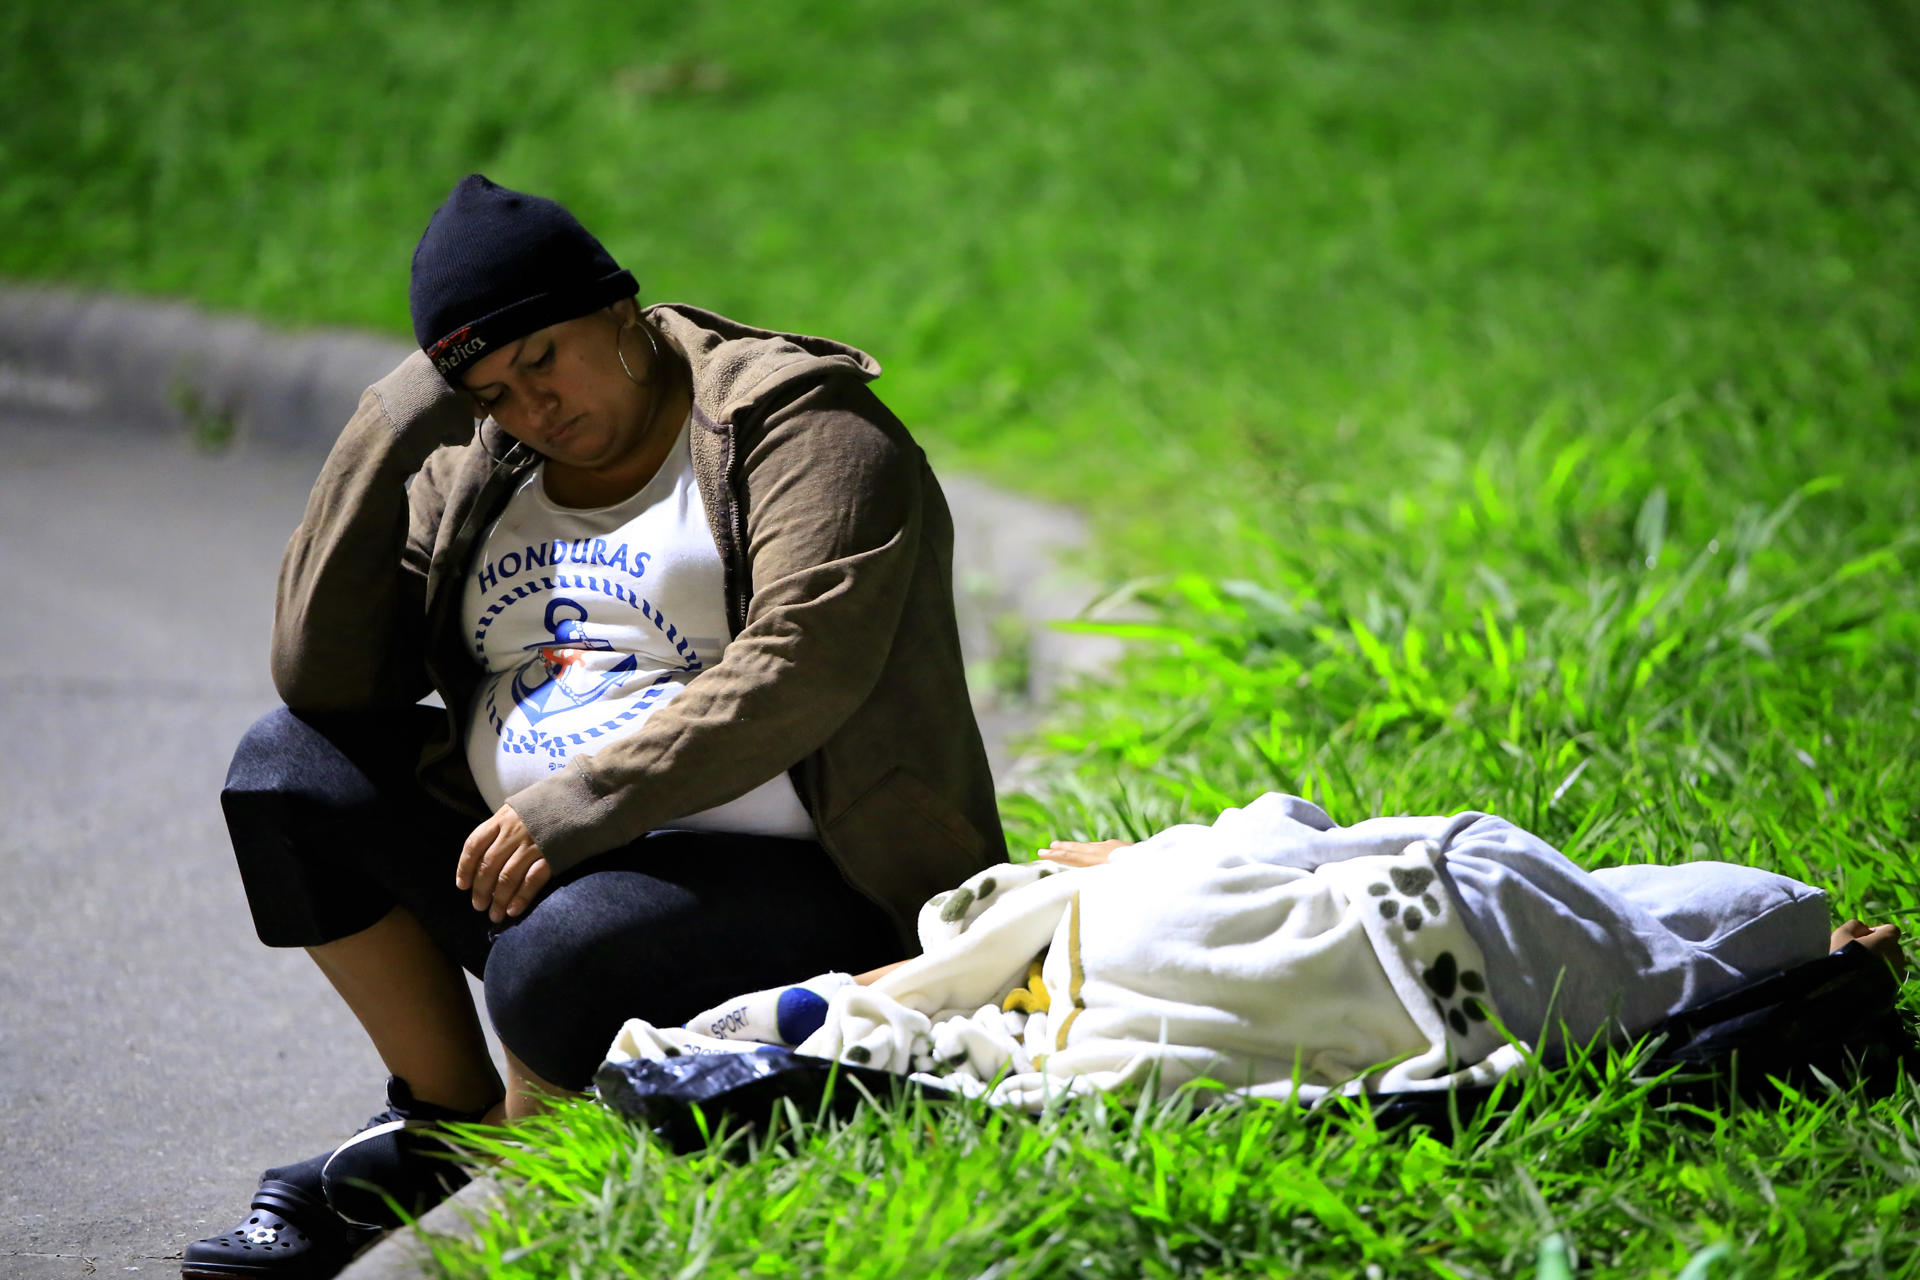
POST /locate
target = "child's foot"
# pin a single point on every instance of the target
(1882, 940)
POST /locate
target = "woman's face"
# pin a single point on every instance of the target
(562, 391)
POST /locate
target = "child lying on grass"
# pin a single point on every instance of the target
(1282, 955)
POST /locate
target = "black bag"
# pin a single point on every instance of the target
(1835, 1016)
(740, 1088)
(1832, 1017)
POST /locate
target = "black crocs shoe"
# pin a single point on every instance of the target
(289, 1233)
(396, 1164)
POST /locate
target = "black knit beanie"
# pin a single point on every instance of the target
(495, 265)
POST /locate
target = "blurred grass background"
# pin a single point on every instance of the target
(1170, 261)
(1512, 404)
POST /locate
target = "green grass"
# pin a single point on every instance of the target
(1821, 1184)
(1171, 261)
(1750, 699)
(1514, 407)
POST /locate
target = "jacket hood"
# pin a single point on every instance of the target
(737, 365)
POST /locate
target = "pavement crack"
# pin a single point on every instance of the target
(93, 1257)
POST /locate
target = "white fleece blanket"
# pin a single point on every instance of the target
(1190, 956)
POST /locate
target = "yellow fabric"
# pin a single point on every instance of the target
(1031, 998)
(1077, 975)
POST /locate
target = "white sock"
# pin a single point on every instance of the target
(779, 1015)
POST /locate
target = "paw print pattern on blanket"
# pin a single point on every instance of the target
(1444, 977)
(948, 915)
(954, 904)
(1411, 900)
(1408, 897)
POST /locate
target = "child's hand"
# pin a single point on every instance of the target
(1081, 853)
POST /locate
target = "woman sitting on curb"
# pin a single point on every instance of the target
(686, 597)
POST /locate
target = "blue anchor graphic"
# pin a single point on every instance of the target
(557, 664)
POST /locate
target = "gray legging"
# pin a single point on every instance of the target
(332, 832)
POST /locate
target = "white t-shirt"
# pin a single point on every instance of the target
(586, 621)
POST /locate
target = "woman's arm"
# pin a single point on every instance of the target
(349, 619)
(833, 501)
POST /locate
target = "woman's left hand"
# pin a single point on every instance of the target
(502, 865)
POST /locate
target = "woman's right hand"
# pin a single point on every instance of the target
(502, 866)
(1082, 853)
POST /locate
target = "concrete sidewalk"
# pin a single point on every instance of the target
(153, 1056)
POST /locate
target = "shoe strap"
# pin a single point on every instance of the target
(288, 1199)
(402, 1105)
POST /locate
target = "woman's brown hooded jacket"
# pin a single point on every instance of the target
(845, 666)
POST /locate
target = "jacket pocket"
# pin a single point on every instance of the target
(900, 806)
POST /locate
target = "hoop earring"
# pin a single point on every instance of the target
(652, 342)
